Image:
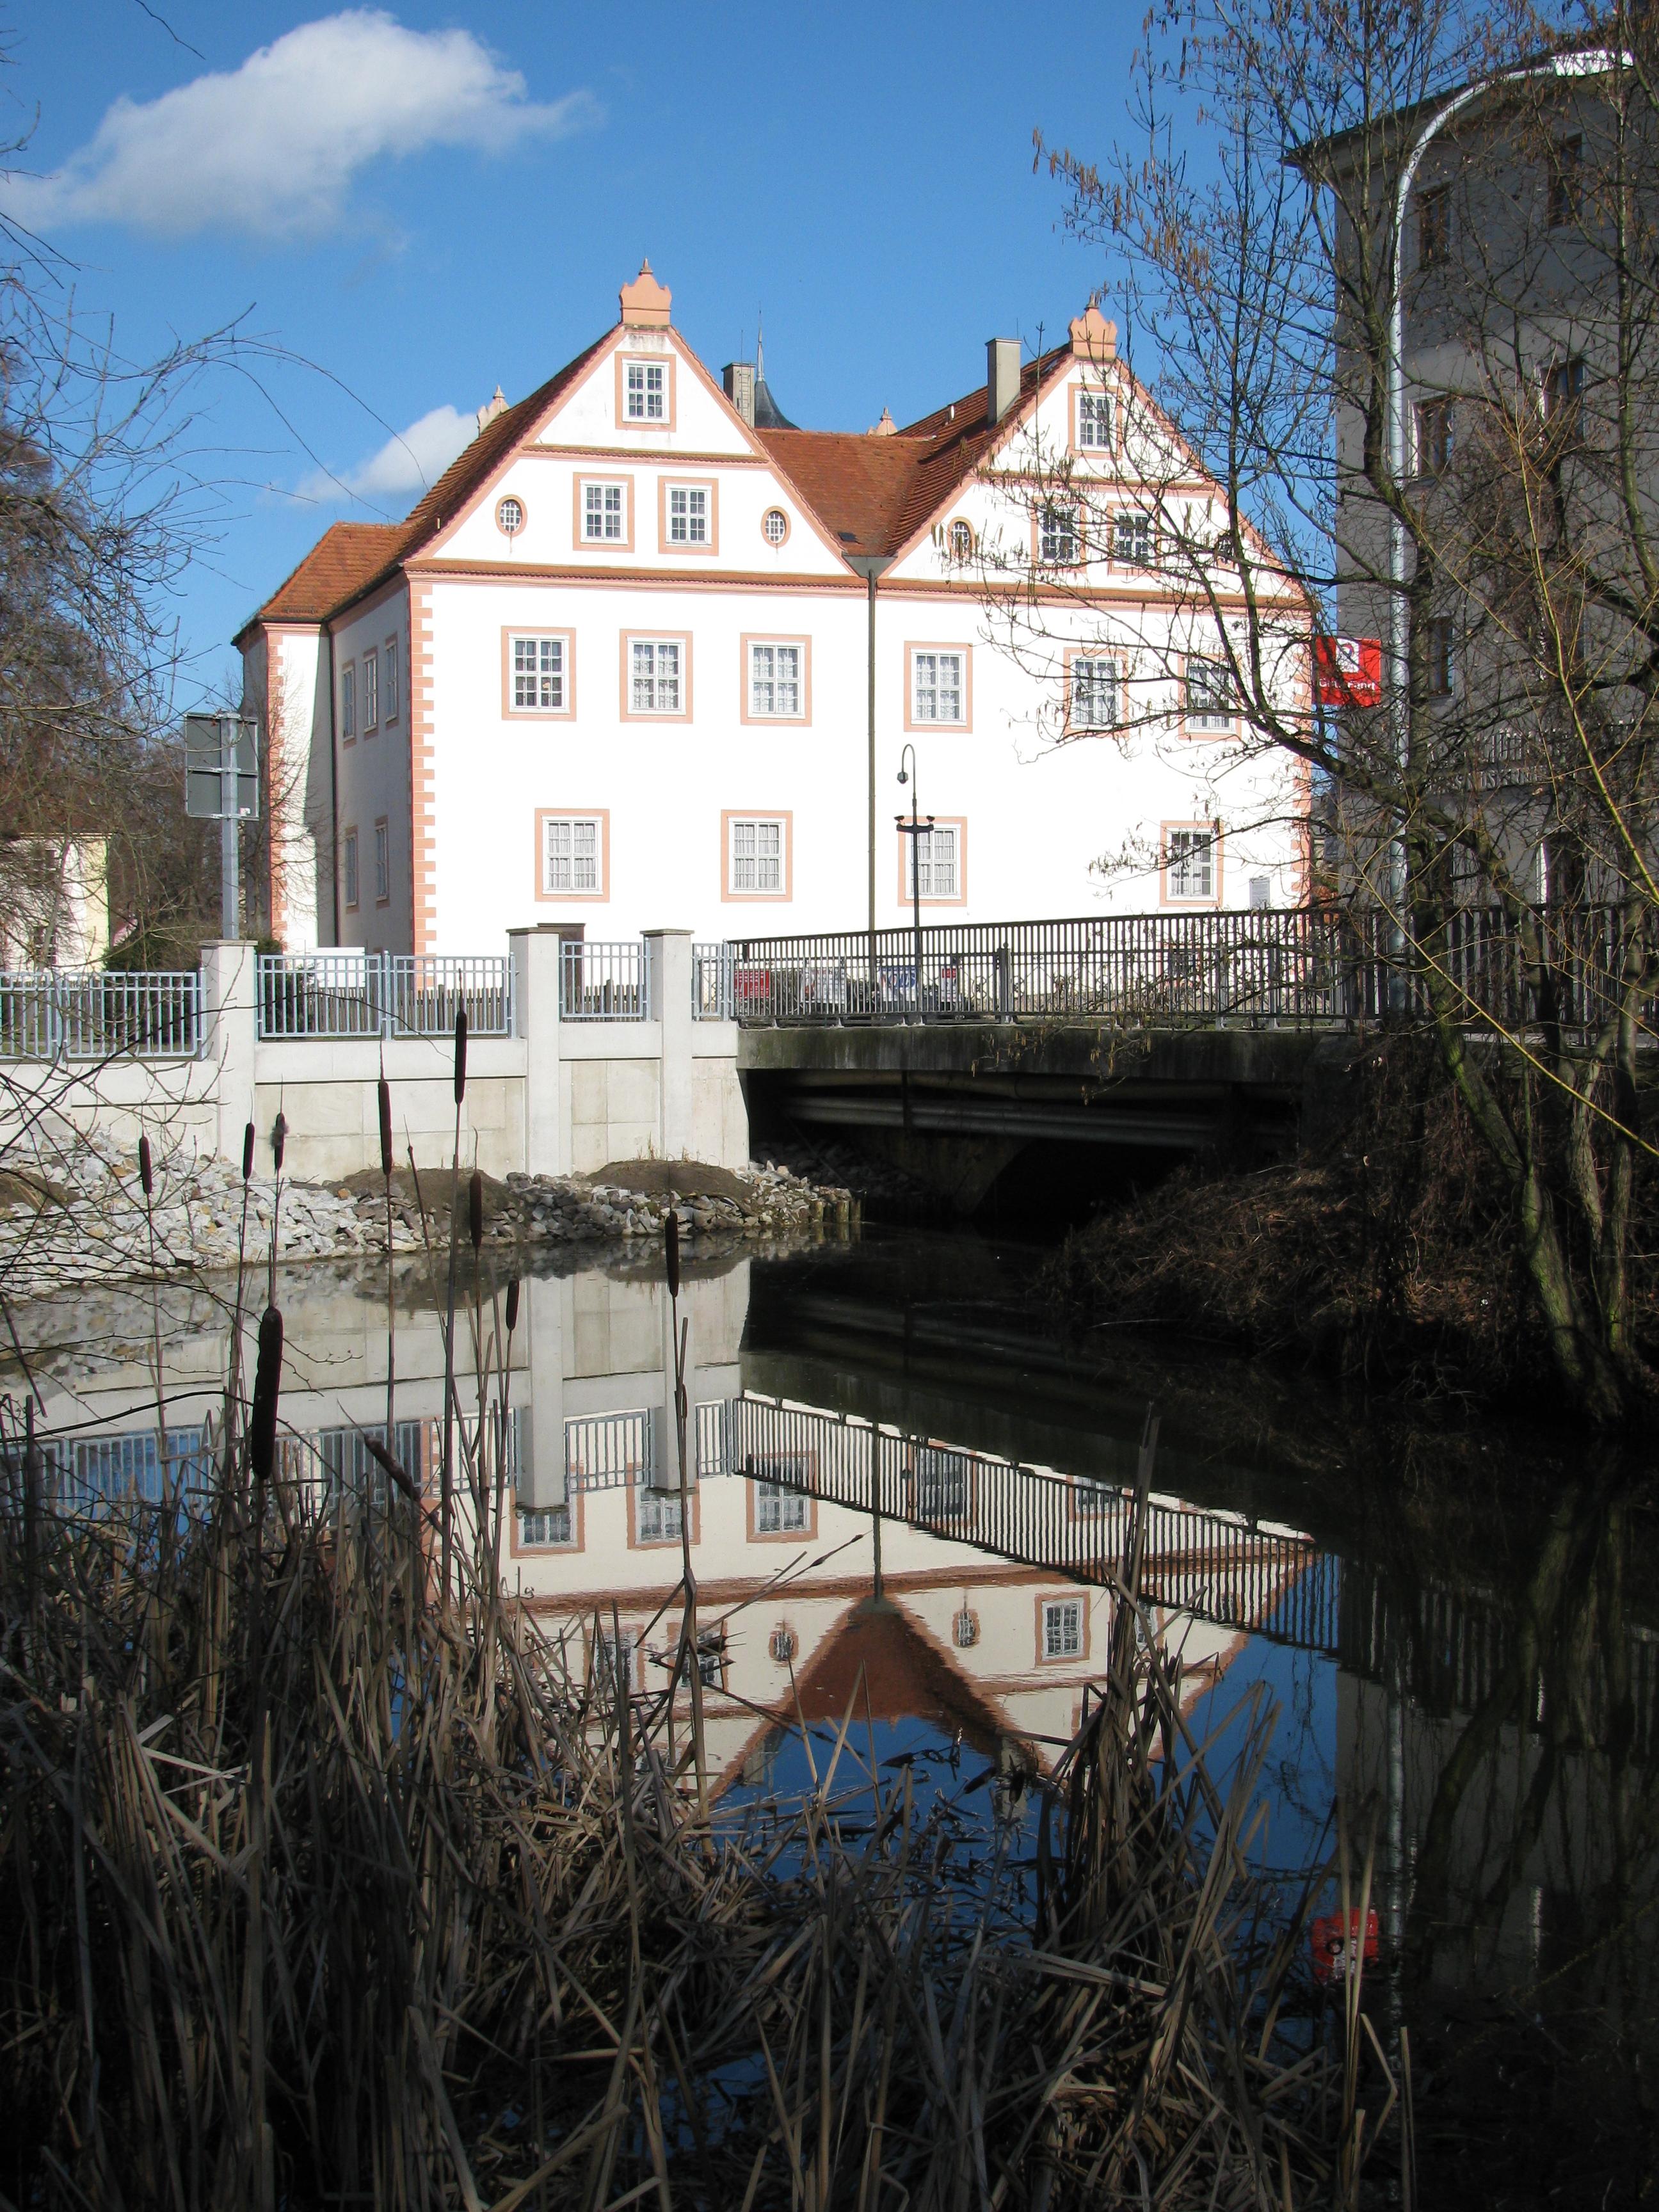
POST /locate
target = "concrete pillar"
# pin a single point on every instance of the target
(230, 1037)
(535, 957)
(668, 963)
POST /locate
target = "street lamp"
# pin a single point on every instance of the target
(1596, 61)
(916, 828)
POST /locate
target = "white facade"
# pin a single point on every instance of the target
(614, 673)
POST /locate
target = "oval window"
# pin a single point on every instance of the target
(961, 541)
(510, 516)
(775, 524)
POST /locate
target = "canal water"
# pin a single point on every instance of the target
(910, 1487)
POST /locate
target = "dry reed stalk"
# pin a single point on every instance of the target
(310, 1891)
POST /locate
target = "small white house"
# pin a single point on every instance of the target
(619, 667)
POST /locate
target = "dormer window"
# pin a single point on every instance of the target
(645, 389)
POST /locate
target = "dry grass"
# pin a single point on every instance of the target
(315, 1890)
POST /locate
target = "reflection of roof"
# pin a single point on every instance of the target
(905, 1675)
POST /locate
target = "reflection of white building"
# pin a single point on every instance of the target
(615, 667)
(996, 1653)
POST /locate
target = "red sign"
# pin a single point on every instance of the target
(1347, 671)
(1333, 1946)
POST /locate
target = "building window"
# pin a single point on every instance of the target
(550, 1529)
(1132, 539)
(349, 858)
(1062, 1628)
(689, 514)
(618, 1665)
(774, 526)
(932, 862)
(371, 692)
(1211, 699)
(655, 671)
(605, 513)
(778, 1511)
(757, 854)
(1441, 665)
(645, 389)
(572, 856)
(775, 683)
(1058, 544)
(539, 673)
(1433, 226)
(382, 863)
(348, 704)
(938, 689)
(780, 1645)
(509, 516)
(1094, 420)
(959, 542)
(657, 1517)
(1094, 704)
(1189, 865)
(1434, 436)
(1564, 388)
(1566, 169)
(389, 687)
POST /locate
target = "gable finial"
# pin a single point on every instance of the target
(645, 303)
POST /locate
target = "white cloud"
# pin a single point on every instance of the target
(272, 149)
(405, 466)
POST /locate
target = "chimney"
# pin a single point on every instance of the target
(739, 378)
(1001, 377)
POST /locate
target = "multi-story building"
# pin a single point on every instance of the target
(647, 655)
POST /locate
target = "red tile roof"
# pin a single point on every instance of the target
(873, 495)
(332, 572)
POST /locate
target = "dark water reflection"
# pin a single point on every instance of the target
(1457, 1620)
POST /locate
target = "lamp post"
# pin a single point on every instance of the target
(1594, 62)
(915, 829)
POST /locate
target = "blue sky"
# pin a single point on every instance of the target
(424, 202)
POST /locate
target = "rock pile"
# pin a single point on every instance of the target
(79, 1216)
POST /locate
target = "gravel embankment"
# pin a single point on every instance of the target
(79, 1217)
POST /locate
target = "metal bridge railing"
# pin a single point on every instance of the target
(602, 982)
(383, 994)
(1290, 967)
(100, 1014)
(711, 982)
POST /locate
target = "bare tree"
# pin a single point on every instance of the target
(1492, 802)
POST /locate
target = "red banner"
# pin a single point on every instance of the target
(1347, 671)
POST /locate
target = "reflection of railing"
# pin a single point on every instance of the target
(64, 1014)
(383, 994)
(604, 1451)
(1273, 1581)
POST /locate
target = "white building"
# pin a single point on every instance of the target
(615, 669)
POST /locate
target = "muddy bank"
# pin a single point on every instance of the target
(1389, 1258)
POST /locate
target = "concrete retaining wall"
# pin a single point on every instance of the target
(555, 1099)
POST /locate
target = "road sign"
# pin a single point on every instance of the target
(1347, 671)
(222, 767)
